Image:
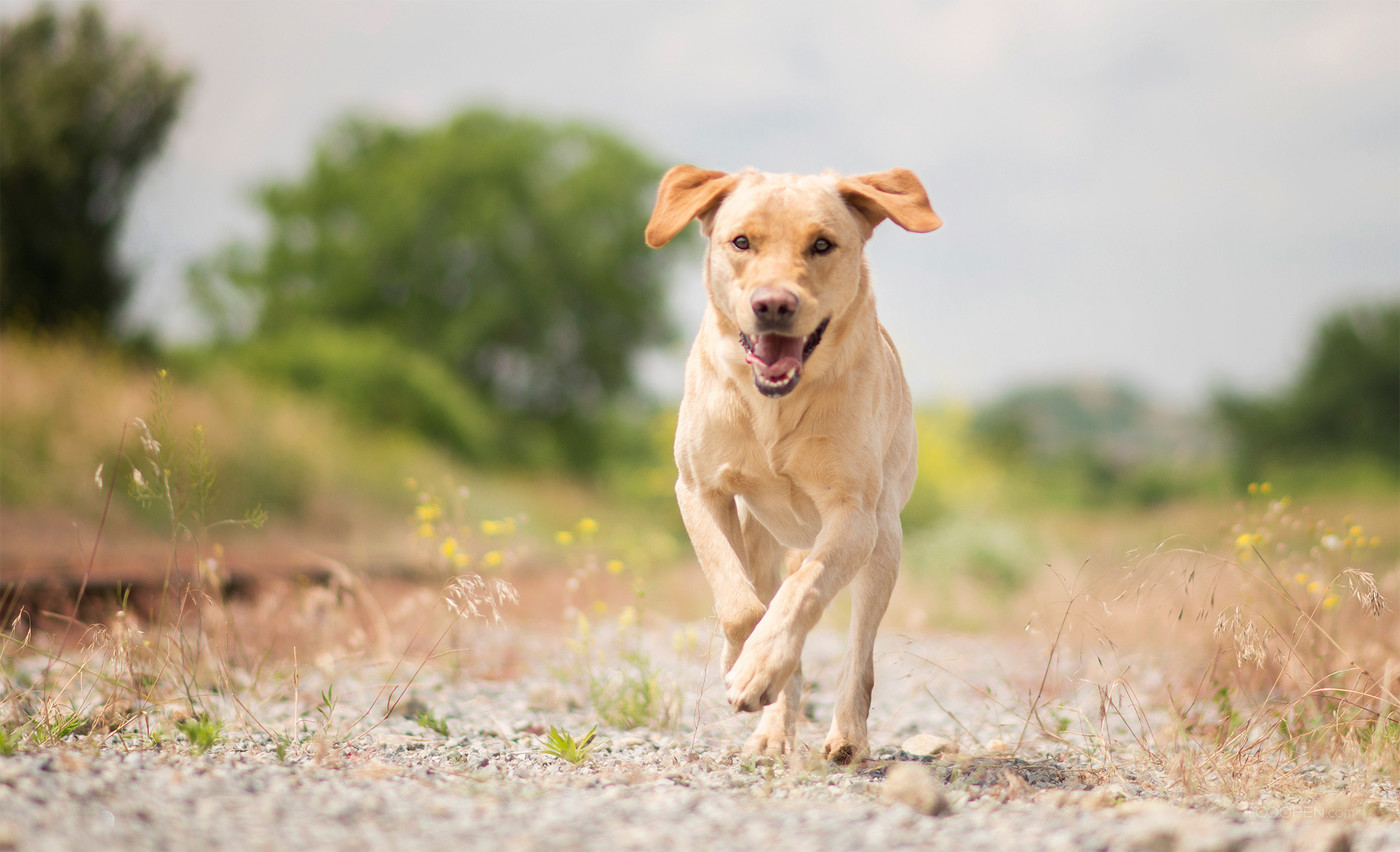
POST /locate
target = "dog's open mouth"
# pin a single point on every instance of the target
(777, 359)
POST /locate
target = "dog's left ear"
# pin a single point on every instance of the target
(685, 193)
(896, 195)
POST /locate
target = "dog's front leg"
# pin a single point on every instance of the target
(774, 649)
(712, 520)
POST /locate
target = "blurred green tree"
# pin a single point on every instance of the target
(1098, 443)
(1343, 406)
(82, 111)
(506, 247)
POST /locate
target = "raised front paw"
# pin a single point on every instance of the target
(757, 678)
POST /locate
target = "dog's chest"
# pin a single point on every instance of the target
(775, 499)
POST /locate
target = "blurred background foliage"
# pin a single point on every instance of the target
(1340, 416)
(83, 110)
(501, 249)
(468, 299)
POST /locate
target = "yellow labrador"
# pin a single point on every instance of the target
(796, 432)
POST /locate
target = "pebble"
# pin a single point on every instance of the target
(929, 745)
(913, 785)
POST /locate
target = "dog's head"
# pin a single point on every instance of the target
(786, 257)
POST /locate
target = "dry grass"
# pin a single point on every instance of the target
(181, 652)
(184, 658)
(1233, 670)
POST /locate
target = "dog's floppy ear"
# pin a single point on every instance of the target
(685, 193)
(896, 195)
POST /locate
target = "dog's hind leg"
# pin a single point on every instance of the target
(870, 597)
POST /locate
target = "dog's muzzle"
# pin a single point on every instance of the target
(777, 359)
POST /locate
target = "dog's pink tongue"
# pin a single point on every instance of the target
(775, 354)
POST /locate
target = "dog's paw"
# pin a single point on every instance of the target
(759, 675)
(767, 744)
(776, 732)
(844, 750)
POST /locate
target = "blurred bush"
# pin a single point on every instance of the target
(375, 381)
(64, 404)
(507, 249)
(1098, 444)
(1339, 421)
(83, 109)
(955, 474)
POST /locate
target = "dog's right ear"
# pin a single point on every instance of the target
(685, 193)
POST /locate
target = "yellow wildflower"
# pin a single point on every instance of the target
(1300, 578)
(563, 538)
(600, 607)
(1314, 587)
(492, 527)
(1253, 488)
(1265, 487)
(587, 526)
(1329, 602)
(461, 560)
(426, 531)
(1355, 532)
(449, 547)
(428, 512)
(1375, 541)
(627, 617)
(493, 558)
(614, 566)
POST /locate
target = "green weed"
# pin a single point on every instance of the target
(624, 687)
(426, 719)
(561, 744)
(58, 727)
(326, 709)
(630, 694)
(202, 732)
(281, 744)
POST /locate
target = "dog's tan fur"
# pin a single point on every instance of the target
(818, 475)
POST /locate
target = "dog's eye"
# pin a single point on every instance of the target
(822, 246)
(740, 242)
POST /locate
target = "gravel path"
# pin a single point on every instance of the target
(486, 784)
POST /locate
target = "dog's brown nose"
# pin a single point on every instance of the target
(773, 306)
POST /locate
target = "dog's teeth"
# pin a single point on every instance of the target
(778, 382)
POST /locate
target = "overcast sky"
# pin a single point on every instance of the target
(1170, 193)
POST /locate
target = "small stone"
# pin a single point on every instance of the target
(929, 745)
(413, 708)
(1000, 748)
(1326, 837)
(1106, 796)
(913, 785)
